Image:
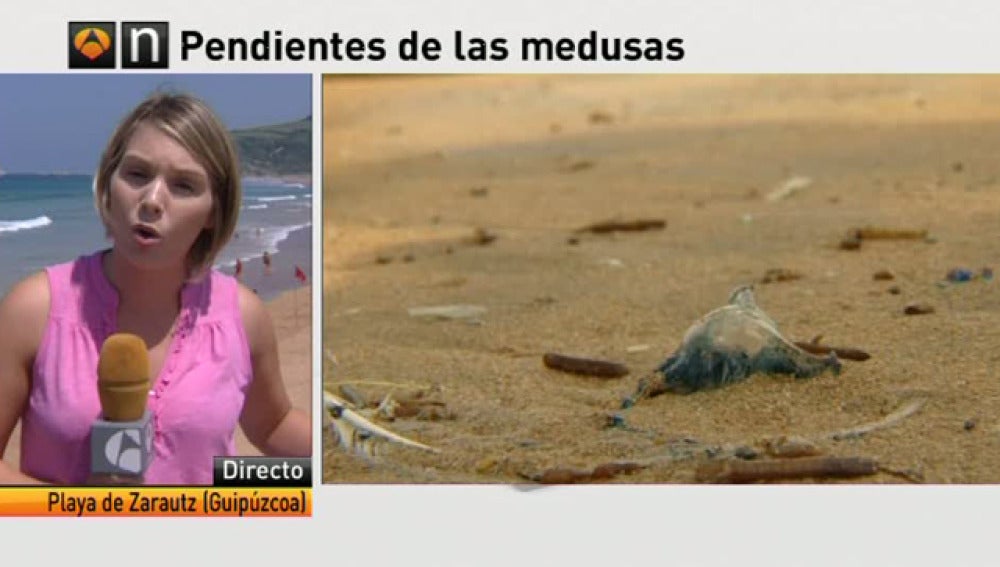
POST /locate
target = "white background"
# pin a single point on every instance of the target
(574, 526)
(775, 36)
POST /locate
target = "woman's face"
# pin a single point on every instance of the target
(159, 201)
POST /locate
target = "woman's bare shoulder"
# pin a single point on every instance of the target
(256, 320)
(24, 311)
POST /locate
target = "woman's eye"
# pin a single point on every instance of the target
(185, 187)
(136, 174)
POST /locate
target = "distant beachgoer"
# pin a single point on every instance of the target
(239, 268)
(266, 258)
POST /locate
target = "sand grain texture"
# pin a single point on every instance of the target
(415, 165)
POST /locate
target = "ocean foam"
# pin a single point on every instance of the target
(271, 237)
(279, 234)
(278, 198)
(255, 207)
(16, 225)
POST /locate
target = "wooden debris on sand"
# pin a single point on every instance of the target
(584, 366)
(780, 275)
(637, 225)
(918, 309)
(854, 237)
(564, 475)
(786, 447)
(736, 471)
(845, 353)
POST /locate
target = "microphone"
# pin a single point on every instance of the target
(121, 441)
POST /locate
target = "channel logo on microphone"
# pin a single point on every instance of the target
(94, 45)
(124, 448)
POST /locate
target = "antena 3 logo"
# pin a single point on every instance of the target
(94, 45)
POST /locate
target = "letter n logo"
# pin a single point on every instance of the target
(145, 45)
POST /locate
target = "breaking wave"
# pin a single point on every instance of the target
(16, 225)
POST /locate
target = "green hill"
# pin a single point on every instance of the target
(276, 149)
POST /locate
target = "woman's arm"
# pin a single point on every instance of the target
(23, 313)
(268, 419)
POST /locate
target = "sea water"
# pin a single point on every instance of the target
(48, 219)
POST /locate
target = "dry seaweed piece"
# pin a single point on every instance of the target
(482, 237)
(424, 411)
(780, 275)
(850, 242)
(579, 165)
(918, 309)
(880, 233)
(680, 449)
(584, 366)
(428, 410)
(637, 225)
(564, 475)
(841, 352)
(600, 117)
(737, 471)
(883, 275)
(560, 475)
(412, 401)
(854, 237)
(610, 470)
(790, 447)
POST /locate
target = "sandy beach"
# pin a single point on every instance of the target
(471, 190)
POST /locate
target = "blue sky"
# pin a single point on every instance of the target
(60, 123)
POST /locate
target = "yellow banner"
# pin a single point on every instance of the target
(155, 501)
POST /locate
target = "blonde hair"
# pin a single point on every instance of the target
(192, 124)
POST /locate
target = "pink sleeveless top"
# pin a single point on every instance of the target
(195, 401)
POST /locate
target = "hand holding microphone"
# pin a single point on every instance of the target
(121, 441)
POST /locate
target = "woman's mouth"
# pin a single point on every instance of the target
(146, 235)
